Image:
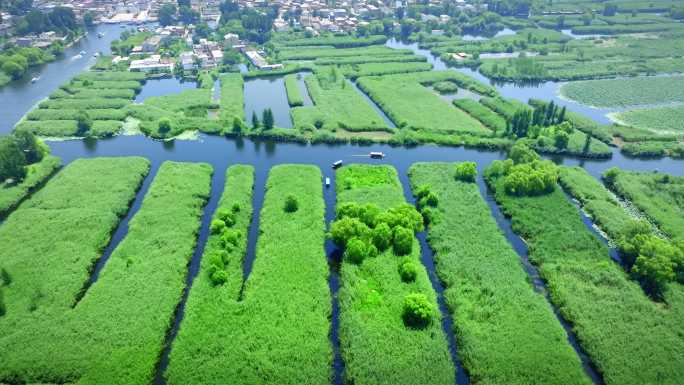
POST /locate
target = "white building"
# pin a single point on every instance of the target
(153, 63)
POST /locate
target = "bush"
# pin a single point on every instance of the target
(382, 236)
(535, 178)
(235, 208)
(5, 277)
(217, 226)
(227, 217)
(408, 271)
(466, 172)
(164, 126)
(346, 228)
(219, 277)
(417, 311)
(522, 153)
(403, 240)
(358, 250)
(291, 204)
(229, 238)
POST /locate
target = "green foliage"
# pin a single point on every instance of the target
(287, 287)
(294, 96)
(445, 87)
(659, 196)
(403, 241)
(657, 263)
(486, 116)
(36, 174)
(626, 92)
(418, 311)
(521, 153)
(412, 105)
(232, 97)
(291, 204)
(377, 347)
(487, 290)
(465, 172)
(336, 105)
(659, 120)
(12, 160)
(5, 277)
(589, 288)
(534, 178)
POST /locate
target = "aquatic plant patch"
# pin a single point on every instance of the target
(487, 290)
(377, 346)
(661, 120)
(115, 333)
(626, 92)
(274, 327)
(36, 174)
(294, 95)
(593, 293)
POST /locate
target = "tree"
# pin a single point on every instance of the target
(237, 126)
(255, 120)
(408, 271)
(83, 123)
(88, 19)
(356, 251)
(188, 15)
(14, 69)
(28, 144)
(522, 153)
(166, 14)
(403, 240)
(164, 126)
(382, 236)
(655, 264)
(291, 204)
(12, 160)
(466, 172)
(267, 119)
(418, 310)
(561, 139)
(343, 229)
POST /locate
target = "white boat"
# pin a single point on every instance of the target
(35, 79)
(100, 35)
(82, 53)
(96, 54)
(327, 182)
(377, 155)
(337, 164)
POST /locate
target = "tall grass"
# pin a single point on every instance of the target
(294, 96)
(37, 173)
(630, 338)
(116, 332)
(376, 345)
(232, 97)
(277, 332)
(659, 196)
(493, 305)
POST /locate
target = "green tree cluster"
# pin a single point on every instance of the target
(365, 230)
(418, 311)
(524, 173)
(229, 238)
(16, 152)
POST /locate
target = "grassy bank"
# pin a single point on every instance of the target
(377, 347)
(626, 92)
(36, 174)
(294, 96)
(116, 332)
(594, 294)
(659, 196)
(278, 331)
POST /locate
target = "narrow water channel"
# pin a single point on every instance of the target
(303, 89)
(427, 258)
(373, 105)
(218, 179)
(258, 194)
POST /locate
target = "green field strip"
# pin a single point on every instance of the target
(377, 347)
(623, 331)
(36, 175)
(116, 332)
(294, 95)
(488, 293)
(278, 332)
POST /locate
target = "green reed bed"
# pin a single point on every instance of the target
(277, 331)
(485, 115)
(336, 105)
(659, 196)
(626, 92)
(377, 347)
(294, 95)
(232, 97)
(412, 105)
(36, 174)
(114, 335)
(488, 292)
(594, 294)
